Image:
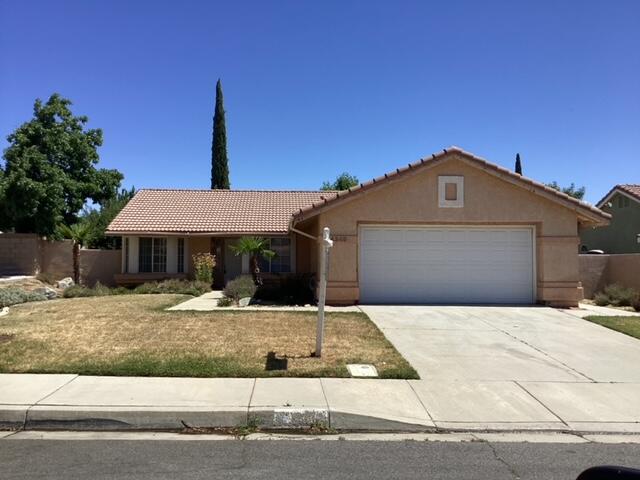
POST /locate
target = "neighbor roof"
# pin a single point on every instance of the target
(211, 211)
(631, 190)
(585, 210)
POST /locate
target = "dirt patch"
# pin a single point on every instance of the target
(5, 338)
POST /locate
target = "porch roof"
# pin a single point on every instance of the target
(212, 211)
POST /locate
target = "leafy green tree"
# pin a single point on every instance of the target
(518, 164)
(343, 181)
(255, 247)
(98, 219)
(49, 171)
(79, 234)
(219, 159)
(571, 190)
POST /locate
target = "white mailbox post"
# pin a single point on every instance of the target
(327, 243)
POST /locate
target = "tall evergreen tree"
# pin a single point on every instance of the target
(219, 159)
(518, 164)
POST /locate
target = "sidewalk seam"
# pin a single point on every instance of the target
(421, 403)
(56, 390)
(326, 401)
(253, 389)
(540, 402)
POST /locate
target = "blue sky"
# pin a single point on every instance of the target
(316, 88)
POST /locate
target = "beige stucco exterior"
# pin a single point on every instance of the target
(412, 199)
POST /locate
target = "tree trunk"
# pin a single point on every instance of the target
(255, 271)
(76, 263)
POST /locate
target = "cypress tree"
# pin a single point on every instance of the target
(219, 160)
(518, 164)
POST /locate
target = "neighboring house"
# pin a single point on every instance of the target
(622, 235)
(452, 228)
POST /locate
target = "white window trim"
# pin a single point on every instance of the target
(166, 255)
(459, 201)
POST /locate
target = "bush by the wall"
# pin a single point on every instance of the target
(182, 287)
(240, 287)
(618, 296)
(289, 290)
(12, 296)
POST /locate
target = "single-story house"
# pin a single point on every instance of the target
(622, 235)
(451, 228)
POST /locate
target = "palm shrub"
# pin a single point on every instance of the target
(255, 247)
(79, 234)
(203, 264)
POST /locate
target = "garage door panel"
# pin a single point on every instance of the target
(446, 265)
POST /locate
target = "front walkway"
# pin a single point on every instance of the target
(208, 302)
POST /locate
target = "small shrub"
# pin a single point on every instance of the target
(12, 296)
(240, 287)
(76, 291)
(636, 303)
(620, 296)
(183, 287)
(203, 264)
(226, 302)
(601, 299)
(46, 278)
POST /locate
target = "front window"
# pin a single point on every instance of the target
(152, 255)
(281, 262)
(181, 255)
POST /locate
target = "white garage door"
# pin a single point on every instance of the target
(445, 265)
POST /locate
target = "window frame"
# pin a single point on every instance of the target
(180, 253)
(266, 264)
(443, 180)
(157, 256)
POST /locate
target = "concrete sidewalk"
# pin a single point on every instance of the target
(128, 403)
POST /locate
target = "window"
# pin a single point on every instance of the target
(451, 191)
(152, 255)
(126, 255)
(181, 255)
(281, 262)
(623, 201)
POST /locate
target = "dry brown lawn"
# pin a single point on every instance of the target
(134, 335)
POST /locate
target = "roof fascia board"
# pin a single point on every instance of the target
(610, 195)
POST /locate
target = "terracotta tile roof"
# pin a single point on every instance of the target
(328, 202)
(633, 190)
(208, 211)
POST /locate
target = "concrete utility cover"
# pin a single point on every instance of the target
(362, 370)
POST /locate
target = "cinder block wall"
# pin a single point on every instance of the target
(19, 254)
(597, 271)
(28, 254)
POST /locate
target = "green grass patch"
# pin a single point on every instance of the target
(629, 325)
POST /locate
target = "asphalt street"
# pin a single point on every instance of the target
(283, 459)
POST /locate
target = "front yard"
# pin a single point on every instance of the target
(627, 324)
(133, 335)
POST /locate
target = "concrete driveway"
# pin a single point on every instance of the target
(516, 364)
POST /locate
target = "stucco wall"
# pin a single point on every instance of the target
(597, 271)
(487, 200)
(19, 254)
(27, 254)
(99, 266)
(620, 236)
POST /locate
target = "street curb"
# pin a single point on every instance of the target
(107, 418)
(121, 418)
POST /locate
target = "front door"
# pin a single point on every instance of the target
(217, 249)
